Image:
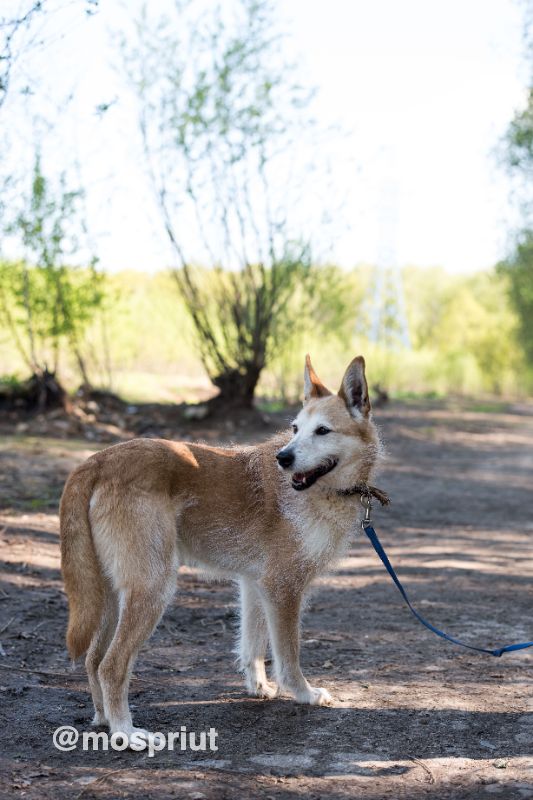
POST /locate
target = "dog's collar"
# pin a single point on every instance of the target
(365, 490)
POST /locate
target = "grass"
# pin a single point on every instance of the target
(488, 407)
(406, 396)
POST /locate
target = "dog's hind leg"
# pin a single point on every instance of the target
(97, 649)
(253, 641)
(140, 610)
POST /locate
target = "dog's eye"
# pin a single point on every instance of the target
(322, 430)
(295, 428)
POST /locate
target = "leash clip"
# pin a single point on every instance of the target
(366, 502)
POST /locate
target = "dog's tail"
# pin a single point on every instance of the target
(79, 564)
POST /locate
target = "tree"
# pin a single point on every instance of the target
(220, 121)
(17, 34)
(44, 302)
(11, 29)
(519, 269)
(519, 155)
(518, 152)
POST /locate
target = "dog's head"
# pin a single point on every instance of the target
(334, 442)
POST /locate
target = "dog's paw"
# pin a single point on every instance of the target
(99, 719)
(265, 690)
(315, 696)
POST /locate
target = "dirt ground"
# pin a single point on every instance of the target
(414, 716)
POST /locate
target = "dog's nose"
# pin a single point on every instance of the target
(285, 458)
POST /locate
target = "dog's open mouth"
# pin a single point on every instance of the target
(303, 480)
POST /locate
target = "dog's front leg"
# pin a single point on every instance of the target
(283, 607)
(253, 641)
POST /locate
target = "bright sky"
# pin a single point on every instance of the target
(425, 89)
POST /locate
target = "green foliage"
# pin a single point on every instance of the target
(44, 303)
(9, 382)
(320, 318)
(141, 340)
(464, 332)
(469, 322)
(519, 271)
(519, 139)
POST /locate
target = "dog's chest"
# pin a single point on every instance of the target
(324, 529)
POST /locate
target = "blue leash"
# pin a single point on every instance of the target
(366, 525)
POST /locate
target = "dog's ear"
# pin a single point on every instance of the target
(313, 386)
(354, 388)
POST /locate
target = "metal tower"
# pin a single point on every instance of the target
(388, 320)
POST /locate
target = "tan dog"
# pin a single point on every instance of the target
(272, 517)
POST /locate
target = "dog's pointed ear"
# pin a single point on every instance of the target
(354, 388)
(313, 386)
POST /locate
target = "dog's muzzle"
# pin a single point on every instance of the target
(303, 480)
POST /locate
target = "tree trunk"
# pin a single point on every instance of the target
(82, 366)
(236, 388)
(41, 392)
(46, 392)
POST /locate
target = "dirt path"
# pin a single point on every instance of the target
(414, 716)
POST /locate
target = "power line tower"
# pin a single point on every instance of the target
(388, 320)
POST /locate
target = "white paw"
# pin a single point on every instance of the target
(263, 689)
(99, 719)
(315, 696)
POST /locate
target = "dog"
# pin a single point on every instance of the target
(272, 517)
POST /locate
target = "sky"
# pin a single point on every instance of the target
(422, 90)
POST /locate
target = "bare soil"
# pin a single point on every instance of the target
(413, 717)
